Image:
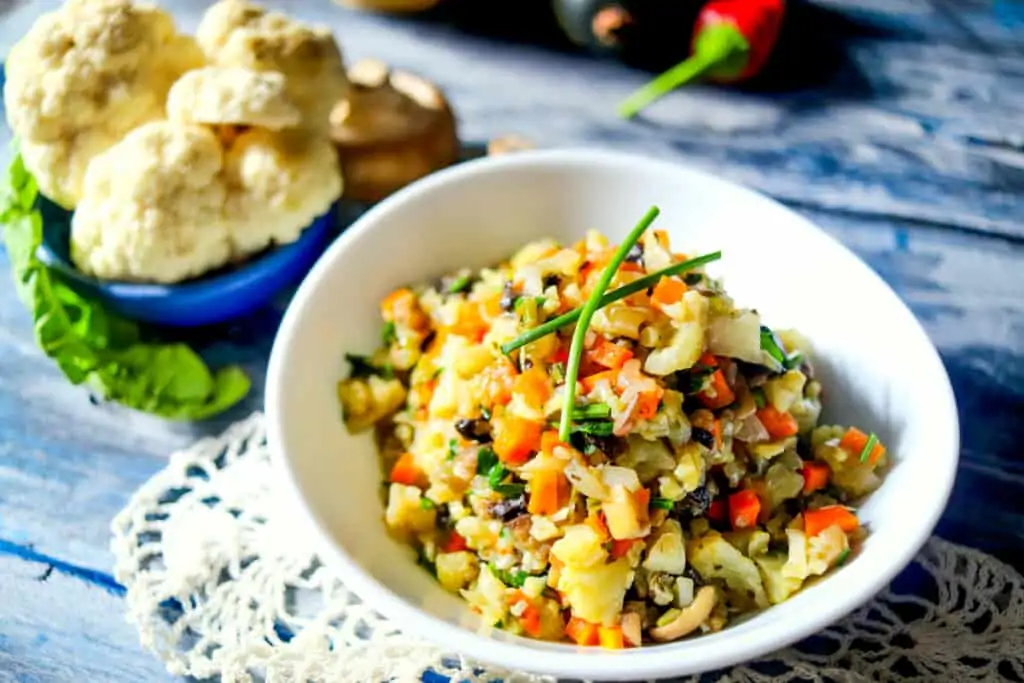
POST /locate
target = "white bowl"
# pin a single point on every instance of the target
(878, 368)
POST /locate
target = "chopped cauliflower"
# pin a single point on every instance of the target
(82, 77)
(232, 96)
(153, 207)
(405, 513)
(715, 558)
(596, 593)
(366, 401)
(457, 570)
(239, 33)
(278, 183)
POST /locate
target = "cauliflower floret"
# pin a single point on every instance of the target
(455, 571)
(364, 402)
(406, 514)
(153, 207)
(82, 77)
(715, 558)
(596, 593)
(278, 183)
(687, 342)
(239, 33)
(232, 96)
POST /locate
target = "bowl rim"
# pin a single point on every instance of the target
(632, 664)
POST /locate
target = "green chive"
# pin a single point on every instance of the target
(662, 503)
(587, 313)
(843, 556)
(388, 334)
(427, 504)
(486, 414)
(452, 445)
(496, 475)
(637, 285)
(591, 427)
(759, 398)
(594, 411)
(485, 460)
(558, 373)
(868, 447)
(459, 284)
(771, 345)
(509, 490)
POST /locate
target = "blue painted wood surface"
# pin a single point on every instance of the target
(910, 151)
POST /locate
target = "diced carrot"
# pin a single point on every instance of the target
(816, 476)
(548, 441)
(631, 267)
(662, 237)
(582, 632)
(668, 291)
(515, 439)
(611, 637)
(534, 386)
(591, 381)
(647, 404)
(469, 323)
(620, 548)
(717, 510)
(455, 543)
(422, 393)
(717, 394)
(402, 307)
(548, 489)
(595, 520)
(816, 521)
(492, 305)
(497, 380)
(855, 441)
(716, 431)
(561, 354)
(609, 354)
(744, 507)
(405, 471)
(778, 425)
(643, 499)
(529, 618)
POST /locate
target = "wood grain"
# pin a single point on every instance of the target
(909, 149)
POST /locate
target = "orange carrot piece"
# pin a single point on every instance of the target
(609, 354)
(668, 291)
(778, 425)
(534, 386)
(547, 491)
(516, 438)
(643, 498)
(717, 394)
(620, 548)
(498, 379)
(405, 471)
(582, 632)
(595, 520)
(647, 404)
(816, 476)
(402, 307)
(590, 381)
(855, 441)
(744, 507)
(716, 431)
(548, 441)
(662, 238)
(455, 543)
(611, 637)
(469, 323)
(816, 521)
(717, 510)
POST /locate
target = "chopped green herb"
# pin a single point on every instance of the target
(486, 414)
(485, 460)
(638, 285)
(510, 490)
(592, 427)
(437, 373)
(772, 345)
(558, 373)
(694, 379)
(589, 447)
(662, 503)
(868, 447)
(515, 580)
(427, 504)
(760, 400)
(594, 411)
(843, 557)
(693, 279)
(453, 445)
(496, 474)
(362, 367)
(460, 284)
(794, 360)
(425, 562)
(388, 334)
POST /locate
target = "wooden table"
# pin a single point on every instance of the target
(910, 151)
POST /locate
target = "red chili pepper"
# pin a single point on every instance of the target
(732, 40)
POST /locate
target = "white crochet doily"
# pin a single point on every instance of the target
(221, 585)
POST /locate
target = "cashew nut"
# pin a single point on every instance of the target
(695, 614)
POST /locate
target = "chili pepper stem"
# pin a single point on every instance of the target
(682, 73)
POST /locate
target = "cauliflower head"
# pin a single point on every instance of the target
(153, 207)
(278, 183)
(236, 96)
(238, 33)
(82, 77)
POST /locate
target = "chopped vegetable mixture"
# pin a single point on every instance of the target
(592, 443)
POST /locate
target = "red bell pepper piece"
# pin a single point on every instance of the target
(732, 40)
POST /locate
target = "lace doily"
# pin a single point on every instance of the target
(220, 585)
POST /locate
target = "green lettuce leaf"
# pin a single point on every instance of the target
(93, 346)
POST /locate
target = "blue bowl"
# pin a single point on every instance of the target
(216, 297)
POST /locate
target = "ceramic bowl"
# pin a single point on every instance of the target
(216, 297)
(876, 363)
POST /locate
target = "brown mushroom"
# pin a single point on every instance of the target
(395, 6)
(690, 618)
(393, 128)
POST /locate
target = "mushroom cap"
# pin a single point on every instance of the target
(393, 128)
